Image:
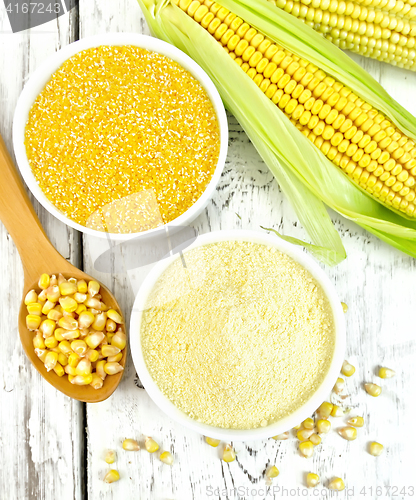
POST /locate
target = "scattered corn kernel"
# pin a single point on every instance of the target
(119, 340)
(51, 342)
(312, 480)
(304, 434)
(308, 423)
(110, 456)
(35, 309)
(93, 288)
(228, 454)
(315, 439)
(99, 368)
(373, 389)
(99, 322)
(386, 373)
(115, 316)
(115, 359)
(113, 368)
(68, 288)
(79, 347)
(51, 360)
(325, 409)
(33, 322)
(109, 350)
(59, 370)
(82, 379)
(150, 445)
(306, 449)
(97, 382)
(38, 341)
(344, 307)
(336, 484)
(86, 319)
(83, 367)
(82, 286)
(282, 437)
(53, 293)
(347, 369)
(348, 433)
(44, 281)
(112, 476)
(41, 354)
(166, 457)
(376, 449)
(272, 472)
(131, 445)
(337, 411)
(356, 421)
(31, 297)
(94, 339)
(323, 426)
(110, 325)
(339, 385)
(212, 442)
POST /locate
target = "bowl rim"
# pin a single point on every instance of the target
(42, 75)
(284, 424)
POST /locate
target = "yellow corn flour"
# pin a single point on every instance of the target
(240, 337)
(122, 139)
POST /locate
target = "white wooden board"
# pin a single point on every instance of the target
(41, 459)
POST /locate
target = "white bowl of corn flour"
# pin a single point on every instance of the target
(240, 337)
(121, 134)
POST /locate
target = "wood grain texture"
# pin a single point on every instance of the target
(376, 282)
(41, 438)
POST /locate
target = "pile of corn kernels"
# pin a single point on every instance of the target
(75, 332)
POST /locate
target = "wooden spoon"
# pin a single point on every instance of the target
(39, 256)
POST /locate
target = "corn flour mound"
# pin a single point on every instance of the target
(240, 337)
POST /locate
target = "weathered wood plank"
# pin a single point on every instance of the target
(41, 437)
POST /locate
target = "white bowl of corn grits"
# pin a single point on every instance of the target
(242, 337)
(121, 133)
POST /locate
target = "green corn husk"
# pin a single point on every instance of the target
(304, 174)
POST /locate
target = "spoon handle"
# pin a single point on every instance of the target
(20, 219)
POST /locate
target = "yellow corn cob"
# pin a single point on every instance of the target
(348, 131)
(365, 29)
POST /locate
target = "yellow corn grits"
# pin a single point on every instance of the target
(122, 139)
(239, 338)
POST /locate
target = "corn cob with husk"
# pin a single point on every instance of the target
(383, 30)
(325, 128)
